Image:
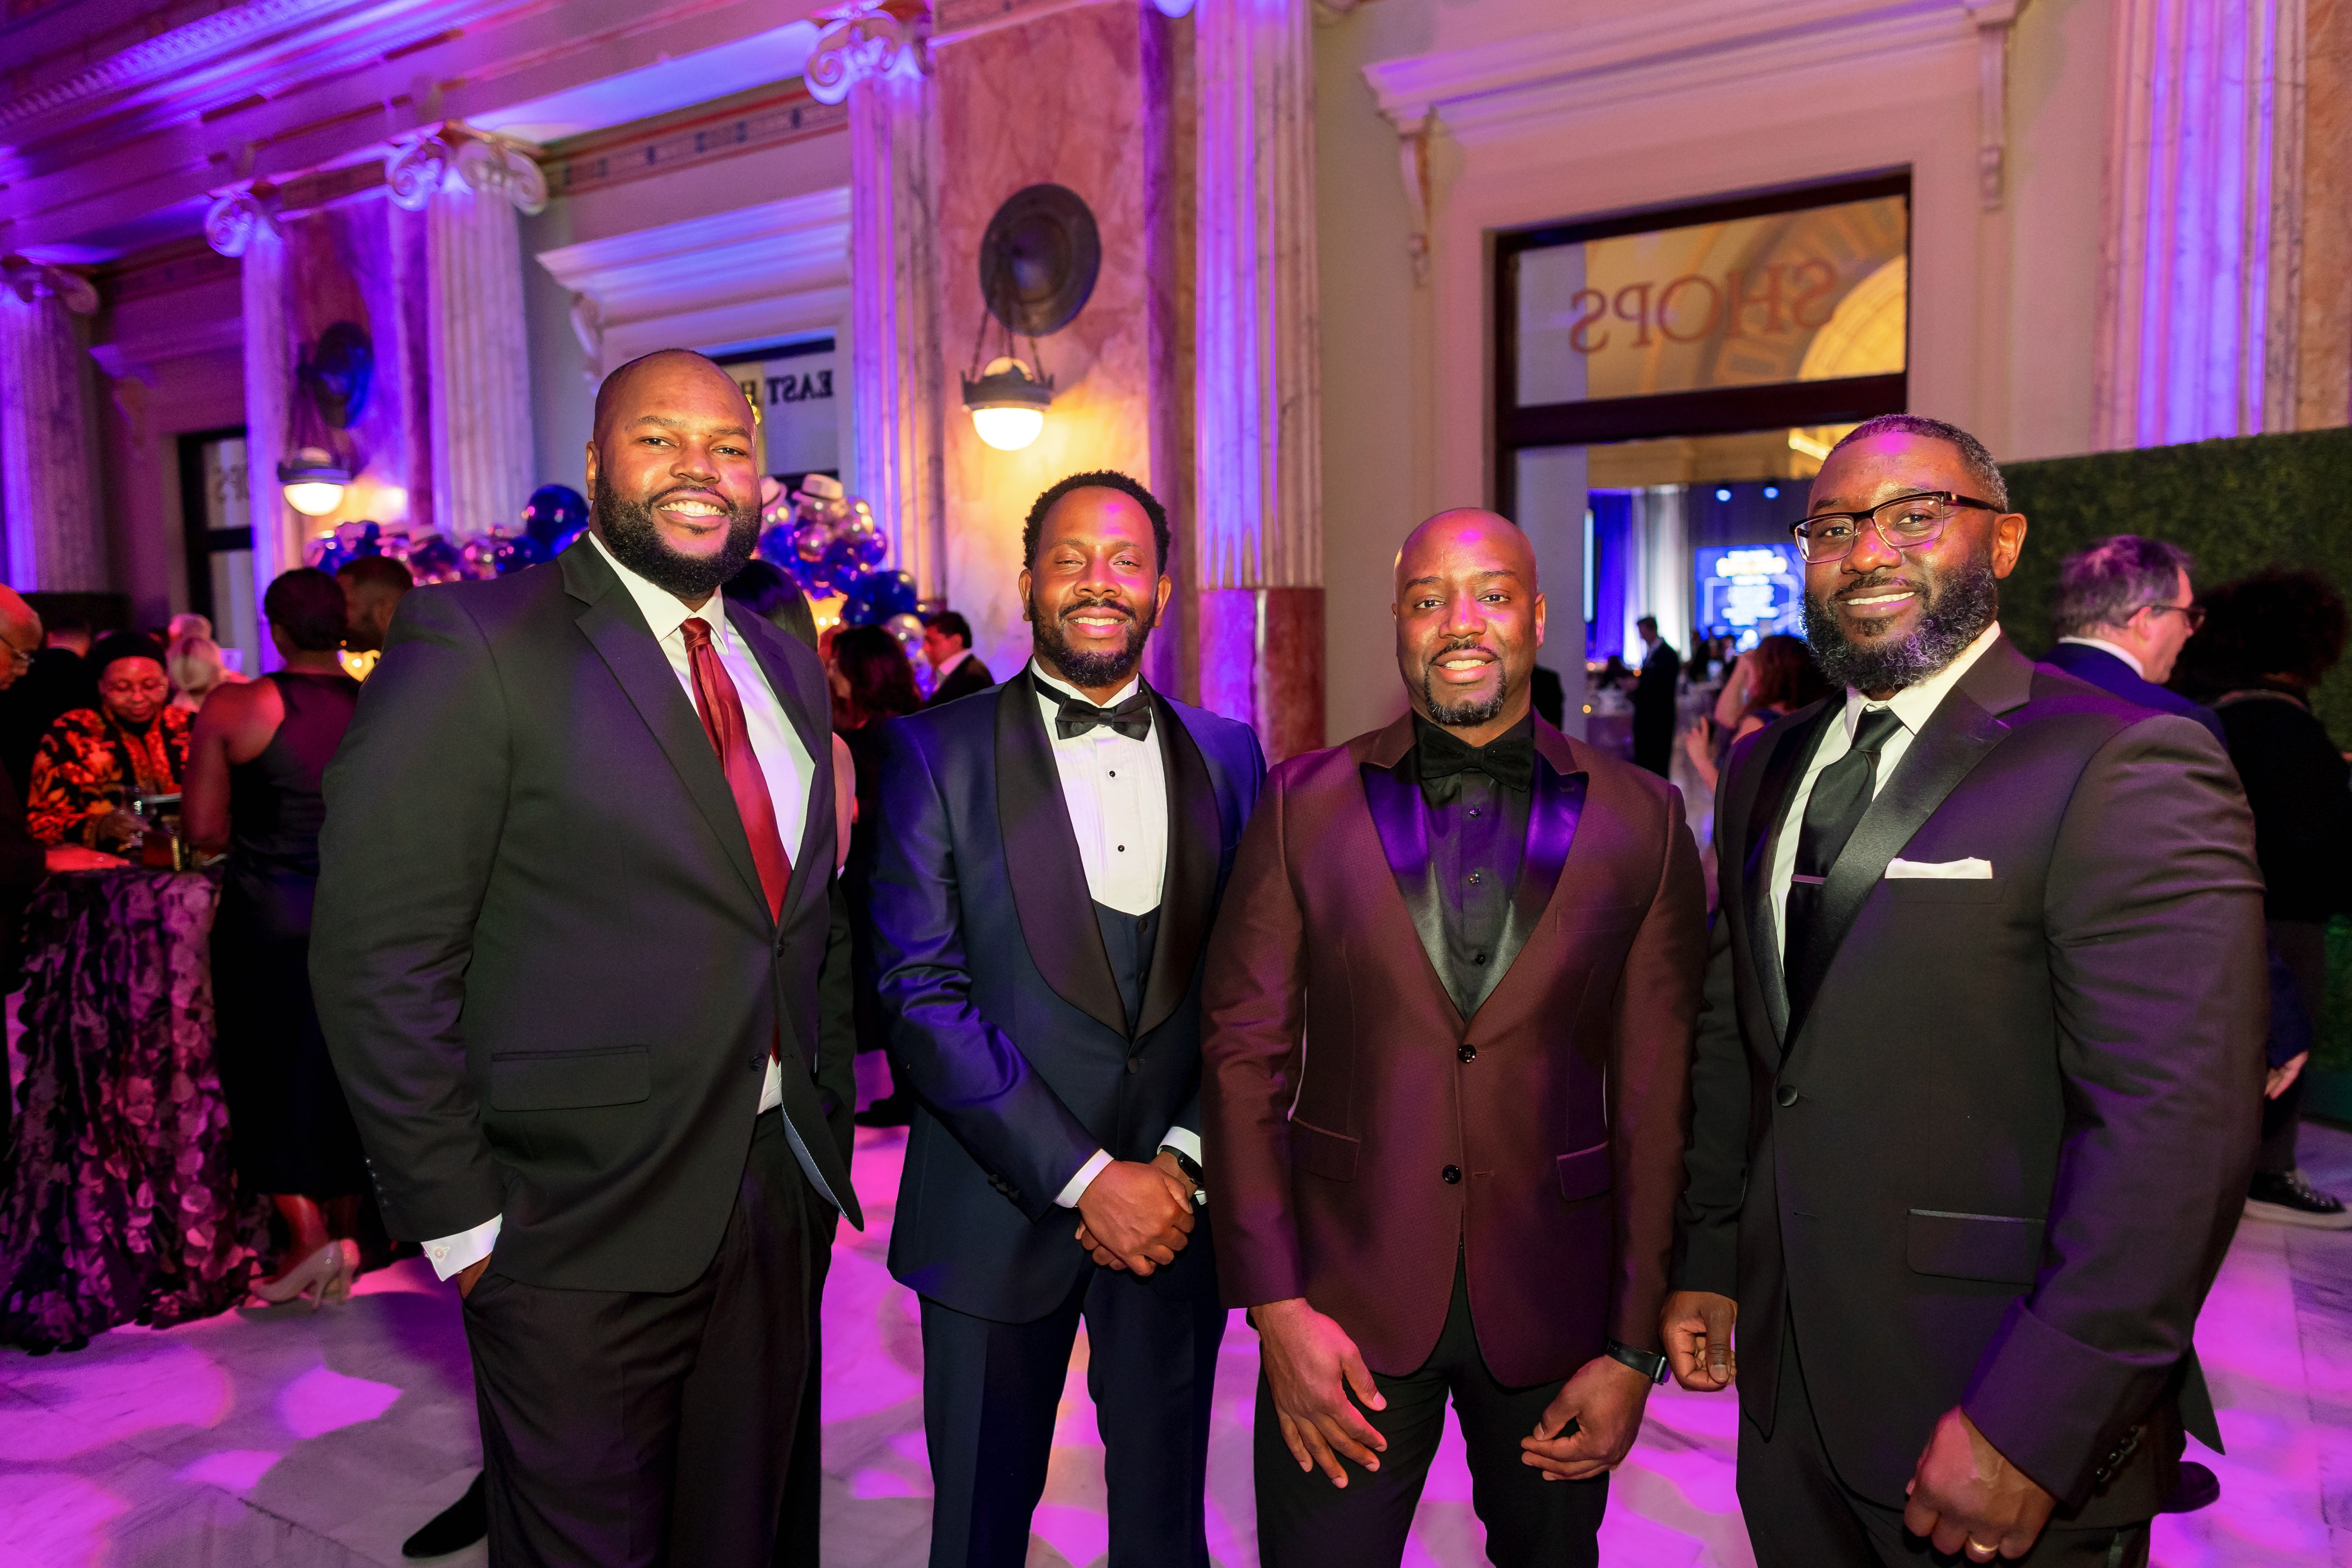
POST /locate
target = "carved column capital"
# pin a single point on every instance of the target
(234, 215)
(490, 164)
(30, 280)
(865, 40)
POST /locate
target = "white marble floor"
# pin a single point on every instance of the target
(292, 1439)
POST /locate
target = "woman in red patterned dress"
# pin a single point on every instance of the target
(94, 760)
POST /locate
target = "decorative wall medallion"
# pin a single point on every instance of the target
(337, 374)
(1039, 259)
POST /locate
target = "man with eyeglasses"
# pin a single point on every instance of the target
(1974, 1091)
(2125, 612)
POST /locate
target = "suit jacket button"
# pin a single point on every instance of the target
(1786, 1094)
(1468, 1053)
(1452, 1175)
(759, 1061)
(1135, 1064)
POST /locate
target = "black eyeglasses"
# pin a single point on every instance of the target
(1906, 523)
(2192, 614)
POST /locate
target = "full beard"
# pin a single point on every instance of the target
(1090, 671)
(1957, 609)
(635, 539)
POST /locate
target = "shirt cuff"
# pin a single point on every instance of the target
(451, 1253)
(1076, 1187)
(1185, 1141)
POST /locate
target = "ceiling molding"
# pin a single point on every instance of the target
(769, 251)
(1495, 89)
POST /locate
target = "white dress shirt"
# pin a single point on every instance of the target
(1912, 706)
(2104, 646)
(790, 770)
(942, 672)
(1116, 790)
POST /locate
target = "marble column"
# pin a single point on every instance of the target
(878, 64)
(470, 189)
(1256, 403)
(2200, 309)
(48, 492)
(239, 226)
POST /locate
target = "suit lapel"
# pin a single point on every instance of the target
(1195, 839)
(1775, 776)
(766, 644)
(1958, 735)
(612, 623)
(1552, 815)
(1042, 863)
(1391, 783)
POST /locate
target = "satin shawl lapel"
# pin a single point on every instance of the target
(1392, 794)
(1195, 842)
(1552, 815)
(1776, 775)
(1956, 737)
(613, 625)
(1040, 860)
(766, 644)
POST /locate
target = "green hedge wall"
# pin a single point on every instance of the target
(2237, 505)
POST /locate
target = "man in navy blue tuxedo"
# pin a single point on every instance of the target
(2124, 611)
(1050, 854)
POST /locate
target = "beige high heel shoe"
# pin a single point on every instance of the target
(347, 1269)
(307, 1278)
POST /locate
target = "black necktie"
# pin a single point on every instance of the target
(1841, 795)
(1131, 718)
(1509, 760)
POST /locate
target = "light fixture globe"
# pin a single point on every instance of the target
(314, 479)
(1007, 404)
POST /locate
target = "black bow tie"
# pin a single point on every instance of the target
(1131, 718)
(1509, 760)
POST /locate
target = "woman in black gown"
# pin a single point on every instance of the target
(255, 759)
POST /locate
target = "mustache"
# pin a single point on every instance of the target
(699, 492)
(1461, 644)
(1081, 606)
(1875, 585)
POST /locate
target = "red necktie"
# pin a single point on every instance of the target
(723, 720)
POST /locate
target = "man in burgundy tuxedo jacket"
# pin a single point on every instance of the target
(1493, 935)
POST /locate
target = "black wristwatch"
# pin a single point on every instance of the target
(1192, 1169)
(1649, 1364)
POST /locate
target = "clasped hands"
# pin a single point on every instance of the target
(1312, 1369)
(1964, 1496)
(1137, 1217)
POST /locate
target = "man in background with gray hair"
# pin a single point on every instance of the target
(2124, 611)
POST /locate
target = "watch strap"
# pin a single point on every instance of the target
(1649, 1364)
(1192, 1173)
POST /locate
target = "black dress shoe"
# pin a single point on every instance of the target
(454, 1529)
(890, 1110)
(2195, 1487)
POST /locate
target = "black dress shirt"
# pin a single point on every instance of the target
(1477, 834)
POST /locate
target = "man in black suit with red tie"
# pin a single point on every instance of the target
(1976, 1076)
(584, 973)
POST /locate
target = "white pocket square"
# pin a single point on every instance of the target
(1939, 870)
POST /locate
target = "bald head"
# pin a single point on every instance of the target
(20, 629)
(625, 386)
(1469, 619)
(1490, 535)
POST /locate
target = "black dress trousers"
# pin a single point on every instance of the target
(631, 1428)
(1305, 1521)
